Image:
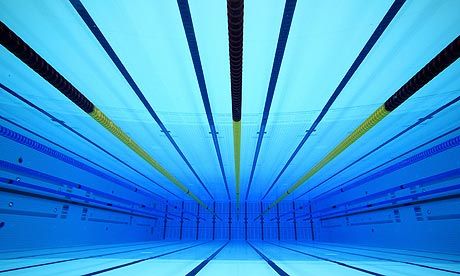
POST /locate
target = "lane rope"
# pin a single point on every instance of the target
(440, 62)
(26, 54)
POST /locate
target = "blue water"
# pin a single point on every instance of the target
(75, 200)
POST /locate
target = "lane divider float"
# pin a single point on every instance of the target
(26, 54)
(440, 62)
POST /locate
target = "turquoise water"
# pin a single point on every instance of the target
(74, 199)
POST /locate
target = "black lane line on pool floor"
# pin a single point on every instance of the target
(81, 258)
(383, 259)
(141, 260)
(401, 253)
(205, 262)
(269, 262)
(329, 260)
(72, 251)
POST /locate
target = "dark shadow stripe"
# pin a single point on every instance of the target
(141, 260)
(129, 212)
(113, 56)
(444, 217)
(195, 54)
(141, 189)
(43, 149)
(65, 252)
(331, 191)
(146, 212)
(394, 206)
(19, 138)
(384, 259)
(80, 258)
(372, 222)
(269, 262)
(285, 28)
(41, 176)
(391, 13)
(422, 182)
(27, 213)
(419, 121)
(63, 124)
(107, 221)
(434, 67)
(329, 260)
(205, 262)
(404, 254)
(379, 174)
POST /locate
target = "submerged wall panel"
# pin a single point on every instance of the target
(47, 202)
(385, 211)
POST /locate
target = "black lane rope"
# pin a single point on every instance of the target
(34, 61)
(235, 14)
(419, 121)
(195, 54)
(62, 123)
(384, 259)
(280, 47)
(433, 68)
(27, 55)
(205, 262)
(389, 16)
(78, 6)
(141, 260)
(329, 260)
(80, 258)
(137, 188)
(274, 266)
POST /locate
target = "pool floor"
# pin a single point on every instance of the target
(226, 258)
